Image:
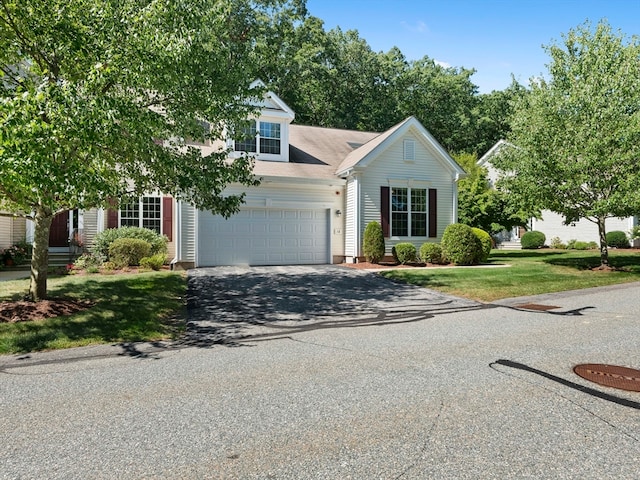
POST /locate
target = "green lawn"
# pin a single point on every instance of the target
(529, 272)
(128, 308)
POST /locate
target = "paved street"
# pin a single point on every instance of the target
(329, 373)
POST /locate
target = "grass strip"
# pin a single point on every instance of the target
(127, 308)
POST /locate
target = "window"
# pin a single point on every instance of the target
(268, 138)
(248, 141)
(409, 212)
(145, 213)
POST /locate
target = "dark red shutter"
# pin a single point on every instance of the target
(384, 210)
(433, 213)
(112, 214)
(167, 217)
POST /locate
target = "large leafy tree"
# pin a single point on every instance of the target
(576, 136)
(97, 97)
(481, 205)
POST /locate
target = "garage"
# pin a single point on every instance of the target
(264, 236)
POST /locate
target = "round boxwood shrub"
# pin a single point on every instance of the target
(460, 245)
(373, 242)
(126, 252)
(431, 253)
(532, 240)
(617, 239)
(405, 252)
(485, 241)
(104, 239)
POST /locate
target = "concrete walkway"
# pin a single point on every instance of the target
(460, 391)
(13, 274)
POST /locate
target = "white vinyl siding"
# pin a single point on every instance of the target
(390, 169)
(351, 249)
(552, 225)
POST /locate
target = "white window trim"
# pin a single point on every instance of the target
(141, 211)
(408, 212)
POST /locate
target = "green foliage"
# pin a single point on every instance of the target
(126, 252)
(104, 239)
(404, 253)
(15, 254)
(486, 242)
(432, 253)
(89, 86)
(460, 245)
(154, 262)
(373, 242)
(557, 243)
(579, 131)
(481, 205)
(617, 239)
(581, 245)
(87, 260)
(532, 240)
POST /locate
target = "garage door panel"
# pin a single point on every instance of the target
(264, 237)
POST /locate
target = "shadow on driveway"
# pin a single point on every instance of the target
(233, 305)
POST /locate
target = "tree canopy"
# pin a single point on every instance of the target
(576, 136)
(97, 98)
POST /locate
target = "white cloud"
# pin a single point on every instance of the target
(418, 27)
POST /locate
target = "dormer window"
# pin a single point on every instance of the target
(268, 137)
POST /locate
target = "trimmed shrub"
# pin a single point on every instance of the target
(127, 252)
(154, 262)
(104, 239)
(373, 242)
(581, 246)
(617, 239)
(431, 253)
(405, 252)
(88, 260)
(460, 245)
(593, 245)
(557, 243)
(532, 240)
(485, 241)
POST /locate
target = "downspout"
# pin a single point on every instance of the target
(178, 234)
(455, 199)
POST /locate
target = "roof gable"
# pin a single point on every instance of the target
(272, 104)
(361, 157)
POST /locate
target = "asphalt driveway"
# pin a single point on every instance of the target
(238, 304)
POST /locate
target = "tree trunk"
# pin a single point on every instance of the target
(604, 249)
(40, 257)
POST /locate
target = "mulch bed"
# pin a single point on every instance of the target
(26, 311)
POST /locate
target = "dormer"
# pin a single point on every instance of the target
(266, 135)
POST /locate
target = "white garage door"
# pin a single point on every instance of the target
(256, 236)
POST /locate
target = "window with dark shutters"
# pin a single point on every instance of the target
(433, 213)
(385, 204)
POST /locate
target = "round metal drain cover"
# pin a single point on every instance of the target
(622, 378)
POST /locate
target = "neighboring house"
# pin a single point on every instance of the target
(319, 189)
(12, 231)
(550, 223)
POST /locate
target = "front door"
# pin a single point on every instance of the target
(59, 234)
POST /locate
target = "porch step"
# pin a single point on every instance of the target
(510, 246)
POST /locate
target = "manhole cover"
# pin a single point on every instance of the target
(610, 376)
(536, 306)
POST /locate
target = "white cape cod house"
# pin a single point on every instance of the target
(319, 189)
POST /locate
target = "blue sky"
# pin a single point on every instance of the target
(495, 37)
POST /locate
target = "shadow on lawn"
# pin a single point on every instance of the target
(624, 262)
(125, 311)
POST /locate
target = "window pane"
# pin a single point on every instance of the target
(268, 145)
(418, 224)
(130, 215)
(151, 217)
(399, 200)
(269, 130)
(418, 200)
(248, 141)
(399, 224)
